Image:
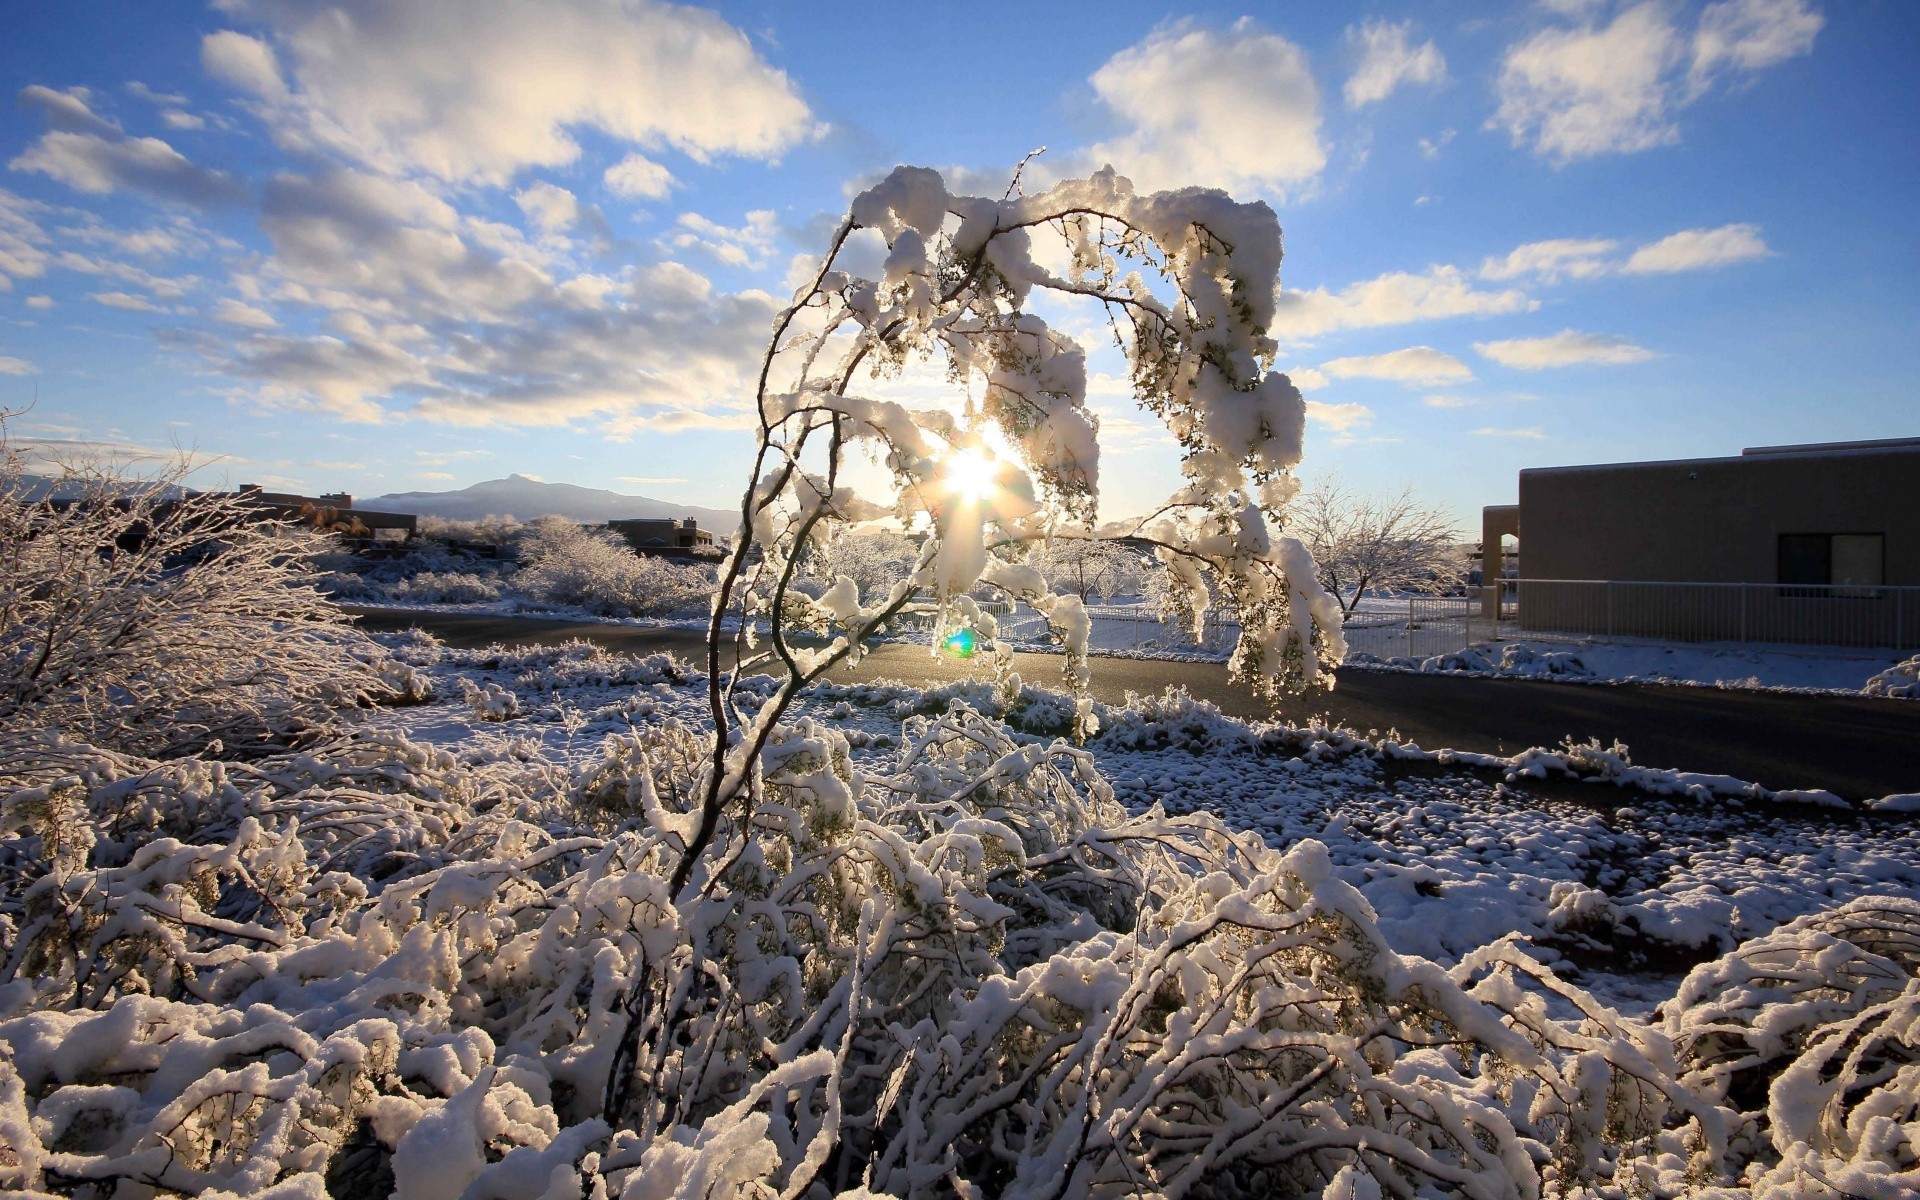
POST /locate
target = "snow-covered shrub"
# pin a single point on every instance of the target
(597, 571)
(1812, 1034)
(464, 974)
(489, 701)
(448, 587)
(1901, 681)
(137, 614)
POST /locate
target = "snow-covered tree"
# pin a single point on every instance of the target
(1091, 568)
(1390, 542)
(1187, 279)
(874, 558)
(139, 615)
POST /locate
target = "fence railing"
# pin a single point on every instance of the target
(1423, 626)
(1837, 615)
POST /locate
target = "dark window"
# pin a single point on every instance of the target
(1806, 558)
(1836, 564)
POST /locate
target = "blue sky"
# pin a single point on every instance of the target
(373, 246)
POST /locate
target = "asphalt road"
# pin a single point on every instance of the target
(1855, 747)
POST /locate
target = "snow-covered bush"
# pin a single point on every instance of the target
(1901, 681)
(597, 571)
(384, 966)
(1812, 1034)
(139, 615)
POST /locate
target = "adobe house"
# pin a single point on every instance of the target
(1825, 537)
(669, 537)
(333, 511)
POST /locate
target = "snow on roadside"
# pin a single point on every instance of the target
(1630, 874)
(1723, 665)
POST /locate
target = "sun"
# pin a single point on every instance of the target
(971, 474)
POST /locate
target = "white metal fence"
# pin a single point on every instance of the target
(1423, 626)
(1838, 615)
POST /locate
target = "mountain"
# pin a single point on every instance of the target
(526, 499)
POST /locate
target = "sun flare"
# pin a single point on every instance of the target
(971, 474)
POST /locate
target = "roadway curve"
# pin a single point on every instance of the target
(1853, 746)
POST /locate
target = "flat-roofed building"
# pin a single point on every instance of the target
(1805, 543)
(672, 537)
(332, 511)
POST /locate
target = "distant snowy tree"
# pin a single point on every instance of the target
(1391, 542)
(594, 569)
(141, 616)
(875, 559)
(1090, 568)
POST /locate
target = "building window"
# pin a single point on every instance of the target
(1836, 564)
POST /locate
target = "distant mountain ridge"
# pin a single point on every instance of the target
(525, 498)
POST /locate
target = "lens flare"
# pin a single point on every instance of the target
(960, 643)
(971, 474)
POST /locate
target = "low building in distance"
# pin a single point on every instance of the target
(667, 537)
(1817, 544)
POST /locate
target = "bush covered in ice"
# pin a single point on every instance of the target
(1901, 681)
(377, 965)
(597, 571)
(139, 615)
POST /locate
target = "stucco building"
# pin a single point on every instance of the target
(1823, 538)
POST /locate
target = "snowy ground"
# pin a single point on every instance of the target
(1629, 887)
(1708, 664)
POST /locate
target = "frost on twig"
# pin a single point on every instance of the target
(141, 615)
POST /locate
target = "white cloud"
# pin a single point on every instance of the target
(1587, 258)
(1237, 109)
(1413, 365)
(179, 118)
(245, 62)
(745, 246)
(93, 163)
(1430, 148)
(637, 176)
(105, 268)
(234, 312)
(1531, 434)
(142, 91)
(1698, 250)
(125, 300)
(1343, 419)
(1307, 379)
(650, 480)
(1387, 61)
(1751, 35)
(1578, 258)
(16, 366)
(452, 319)
(39, 301)
(550, 208)
(1443, 400)
(68, 111)
(1396, 298)
(435, 475)
(1573, 93)
(478, 90)
(1567, 348)
(23, 240)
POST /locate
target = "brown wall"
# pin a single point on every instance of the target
(1718, 519)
